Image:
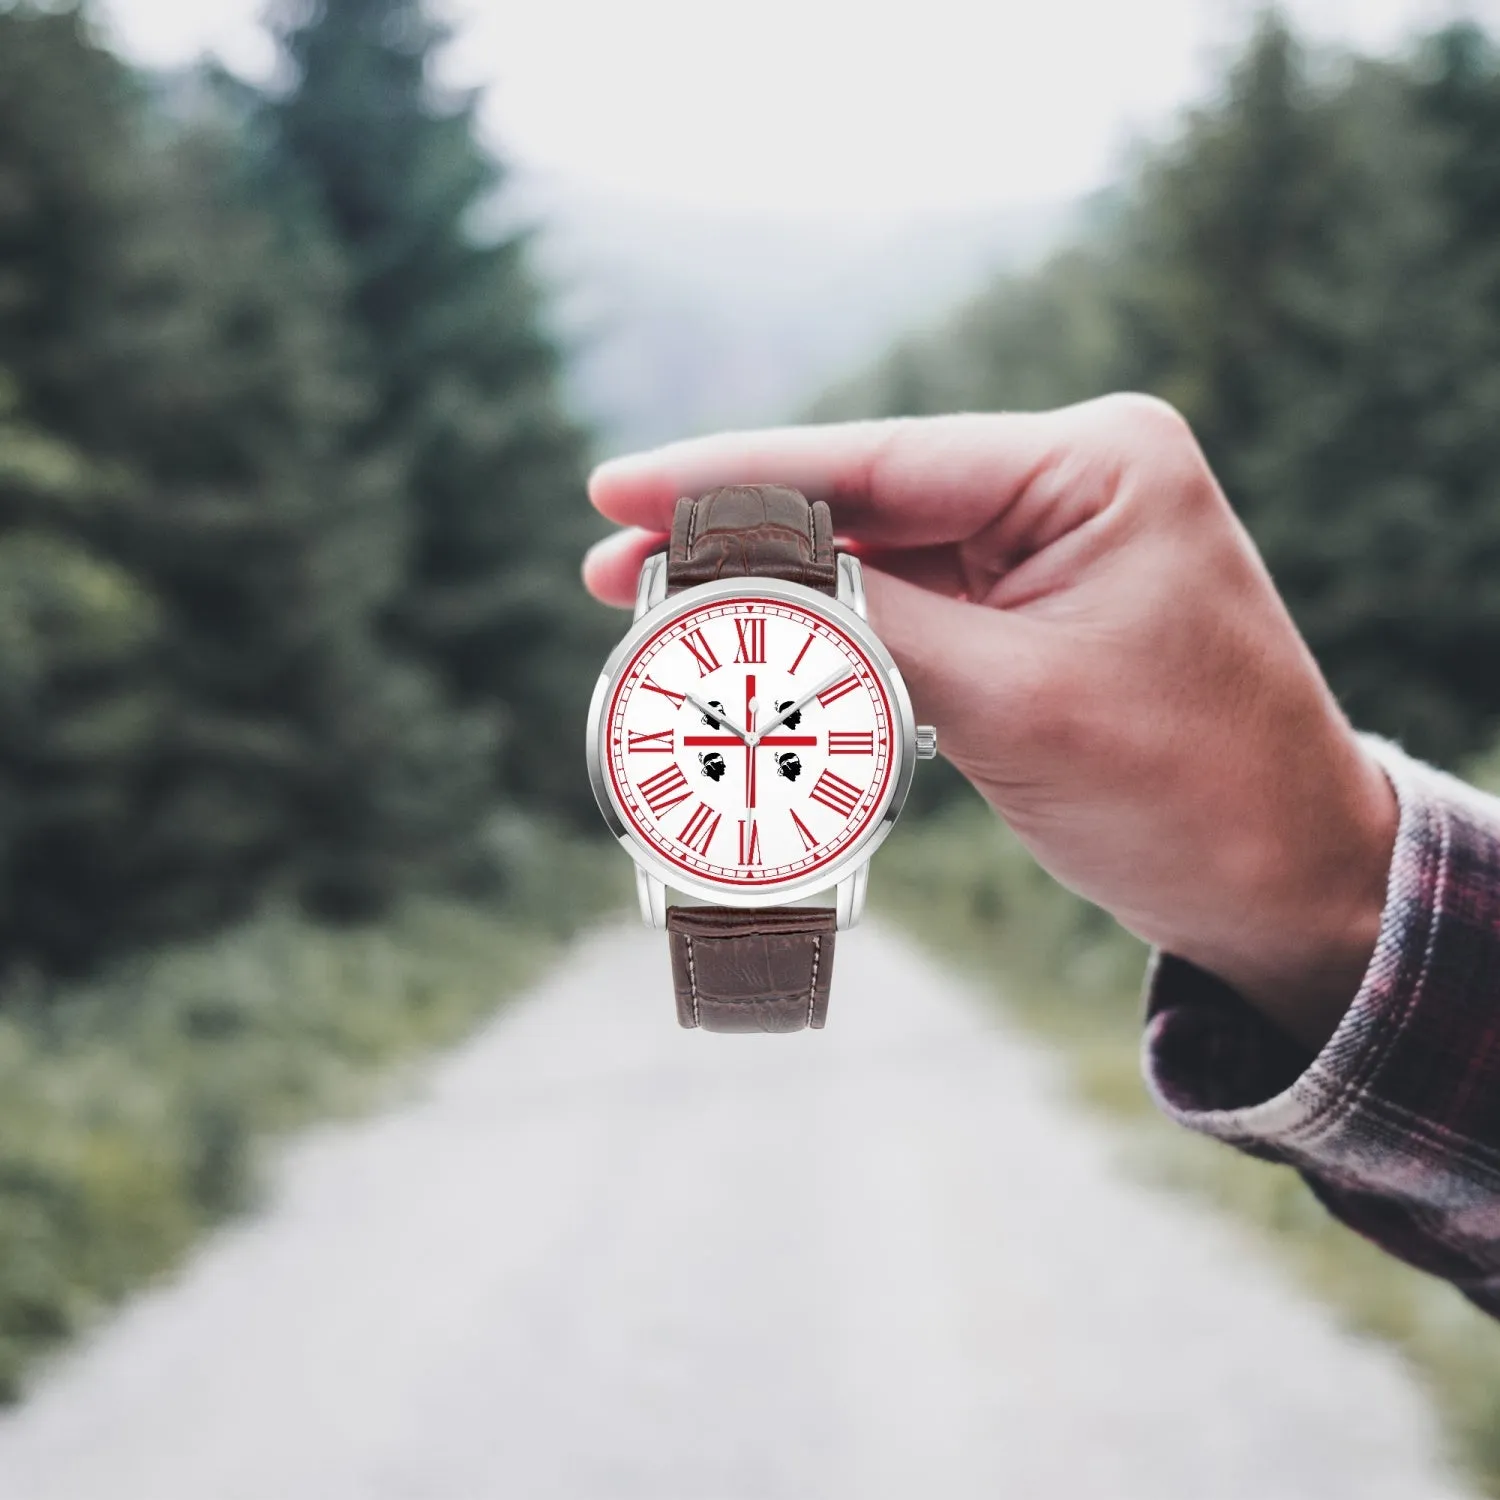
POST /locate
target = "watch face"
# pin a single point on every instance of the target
(751, 740)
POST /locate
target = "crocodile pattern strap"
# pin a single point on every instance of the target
(733, 968)
(740, 970)
(752, 531)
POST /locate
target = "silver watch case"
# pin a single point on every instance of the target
(848, 873)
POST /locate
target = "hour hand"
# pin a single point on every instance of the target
(718, 716)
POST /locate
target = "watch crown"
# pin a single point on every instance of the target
(926, 742)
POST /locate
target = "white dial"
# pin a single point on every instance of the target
(750, 742)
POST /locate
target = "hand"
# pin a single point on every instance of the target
(801, 703)
(1077, 609)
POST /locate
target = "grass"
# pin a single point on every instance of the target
(134, 1109)
(962, 884)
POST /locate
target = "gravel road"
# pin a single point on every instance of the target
(597, 1258)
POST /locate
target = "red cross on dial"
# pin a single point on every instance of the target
(749, 742)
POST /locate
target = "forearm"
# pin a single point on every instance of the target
(1395, 1121)
(1073, 602)
(1296, 924)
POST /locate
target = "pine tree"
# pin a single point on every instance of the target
(155, 323)
(81, 713)
(1300, 288)
(467, 380)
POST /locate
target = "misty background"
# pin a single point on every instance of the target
(311, 325)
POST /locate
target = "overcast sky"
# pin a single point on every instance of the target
(818, 107)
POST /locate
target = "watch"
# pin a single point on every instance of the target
(750, 743)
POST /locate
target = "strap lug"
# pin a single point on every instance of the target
(849, 897)
(851, 584)
(652, 893)
(651, 587)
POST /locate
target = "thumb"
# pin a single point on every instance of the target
(971, 669)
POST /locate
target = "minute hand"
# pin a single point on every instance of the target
(799, 705)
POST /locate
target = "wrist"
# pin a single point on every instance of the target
(1312, 905)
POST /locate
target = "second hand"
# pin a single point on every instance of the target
(750, 740)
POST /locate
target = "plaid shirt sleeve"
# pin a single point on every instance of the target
(1395, 1124)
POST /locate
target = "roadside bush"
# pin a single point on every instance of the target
(134, 1108)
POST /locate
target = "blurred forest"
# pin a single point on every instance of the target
(291, 497)
(293, 651)
(1310, 271)
(294, 655)
(290, 505)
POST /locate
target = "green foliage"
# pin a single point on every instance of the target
(1338, 353)
(1311, 273)
(217, 491)
(972, 890)
(133, 1107)
(289, 510)
(962, 884)
(466, 379)
(81, 714)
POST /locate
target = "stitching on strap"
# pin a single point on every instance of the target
(692, 978)
(812, 988)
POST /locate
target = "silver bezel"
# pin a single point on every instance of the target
(903, 751)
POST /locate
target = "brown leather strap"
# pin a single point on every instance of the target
(741, 970)
(736, 969)
(752, 531)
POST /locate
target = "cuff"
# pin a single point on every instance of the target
(1404, 1099)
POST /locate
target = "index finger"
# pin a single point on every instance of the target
(901, 482)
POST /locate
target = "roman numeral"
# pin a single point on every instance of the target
(838, 690)
(860, 742)
(750, 842)
(700, 830)
(657, 743)
(805, 833)
(791, 670)
(676, 699)
(836, 793)
(703, 653)
(663, 791)
(750, 638)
